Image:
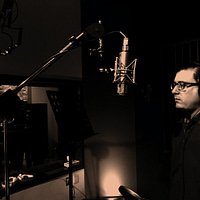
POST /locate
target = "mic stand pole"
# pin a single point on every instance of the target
(48, 63)
(6, 162)
(95, 30)
(70, 173)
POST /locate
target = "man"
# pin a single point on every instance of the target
(185, 161)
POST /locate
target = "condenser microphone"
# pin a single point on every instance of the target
(122, 86)
(124, 72)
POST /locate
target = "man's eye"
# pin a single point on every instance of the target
(182, 85)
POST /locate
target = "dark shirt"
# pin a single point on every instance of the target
(185, 161)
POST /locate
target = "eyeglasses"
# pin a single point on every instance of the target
(182, 85)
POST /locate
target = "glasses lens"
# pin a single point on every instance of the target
(181, 85)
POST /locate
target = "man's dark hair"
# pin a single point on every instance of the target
(196, 75)
(193, 65)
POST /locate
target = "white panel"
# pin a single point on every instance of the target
(52, 190)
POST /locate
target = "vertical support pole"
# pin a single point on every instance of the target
(70, 172)
(6, 161)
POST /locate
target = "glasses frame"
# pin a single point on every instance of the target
(182, 85)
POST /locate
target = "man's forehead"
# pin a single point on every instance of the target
(186, 75)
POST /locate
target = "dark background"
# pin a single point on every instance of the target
(142, 120)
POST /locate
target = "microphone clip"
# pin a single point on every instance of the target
(122, 72)
(123, 75)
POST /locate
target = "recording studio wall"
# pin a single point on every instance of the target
(46, 28)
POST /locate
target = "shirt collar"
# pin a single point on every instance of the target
(195, 117)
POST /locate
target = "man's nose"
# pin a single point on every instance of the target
(175, 90)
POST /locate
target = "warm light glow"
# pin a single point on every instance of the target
(111, 183)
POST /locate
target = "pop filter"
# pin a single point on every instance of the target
(129, 194)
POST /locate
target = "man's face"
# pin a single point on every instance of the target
(187, 98)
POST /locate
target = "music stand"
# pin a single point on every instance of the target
(71, 118)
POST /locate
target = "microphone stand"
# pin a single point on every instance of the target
(9, 99)
(6, 161)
